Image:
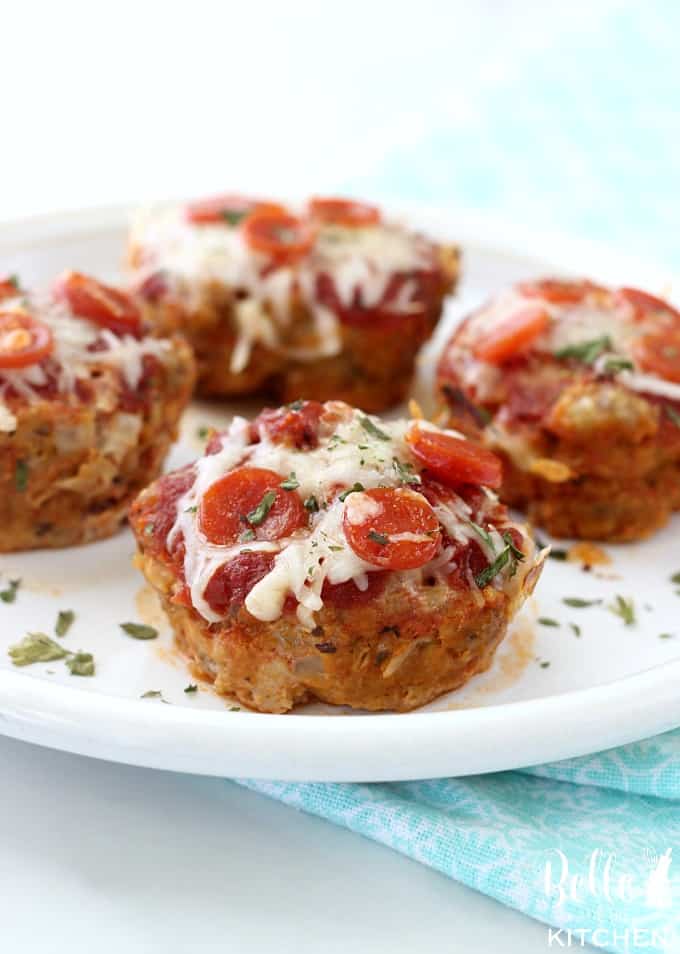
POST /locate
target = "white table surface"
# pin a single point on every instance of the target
(107, 858)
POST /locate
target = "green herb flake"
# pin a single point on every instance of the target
(557, 553)
(149, 529)
(615, 364)
(246, 536)
(139, 630)
(545, 664)
(9, 594)
(232, 216)
(483, 535)
(406, 472)
(378, 538)
(81, 664)
(14, 281)
(21, 476)
(576, 629)
(676, 579)
(586, 351)
(35, 647)
(192, 687)
(295, 405)
(335, 549)
(65, 620)
(625, 608)
(290, 483)
(152, 694)
(234, 708)
(672, 414)
(356, 488)
(509, 556)
(311, 504)
(577, 603)
(665, 635)
(203, 432)
(547, 621)
(191, 510)
(257, 516)
(373, 429)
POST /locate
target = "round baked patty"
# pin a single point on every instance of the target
(319, 553)
(577, 388)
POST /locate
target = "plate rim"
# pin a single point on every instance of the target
(91, 723)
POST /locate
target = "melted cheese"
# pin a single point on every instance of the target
(72, 358)
(347, 453)
(360, 261)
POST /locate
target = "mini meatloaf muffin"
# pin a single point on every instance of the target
(319, 553)
(577, 388)
(89, 404)
(334, 303)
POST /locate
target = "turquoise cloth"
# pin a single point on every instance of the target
(612, 820)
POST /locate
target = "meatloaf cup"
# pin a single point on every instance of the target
(89, 404)
(321, 553)
(577, 388)
(332, 303)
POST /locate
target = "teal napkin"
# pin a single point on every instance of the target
(585, 845)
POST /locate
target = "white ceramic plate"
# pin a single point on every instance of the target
(551, 694)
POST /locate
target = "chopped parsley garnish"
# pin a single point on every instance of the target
(373, 429)
(577, 603)
(334, 440)
(232, 216)
(672, 414)
(586, 351)
(625, 608)
(152, 694)
(406, 472)
(558, 554)
(509, 556)
(354, 489)
(203, 432)
(290, 483)
(21, 475)
(192, 687)
(575, 628)
(665, 635)
(335, 549)
(81, 664)
(14, 281)
(9, 594)
(615, 364)
(311, 504)
(149, 529)
(65, 620)
(378, 538)
(246, 536)
(139, 630)
(544, 664)
(256, 516)
(295, 405)
(483, 535)
(676, 579)
(547, 621)
(35, 647)
(458, 398)
(234, 708)
(191, 510)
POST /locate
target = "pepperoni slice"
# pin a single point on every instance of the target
(9, 287)
(295, 424)
(644, 303)
(249, 503)
(512, 335)
(659, 353)
(23, 340)
(278, 235)
(91, 299)
(559, 291)
(454, 460)
(393, 528)
(347, 212)
(229, 208)
(231, 583)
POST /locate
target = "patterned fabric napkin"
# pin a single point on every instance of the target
(585, 845)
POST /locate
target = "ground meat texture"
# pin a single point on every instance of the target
(74, 463)
(397, 651)
(583, 454)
